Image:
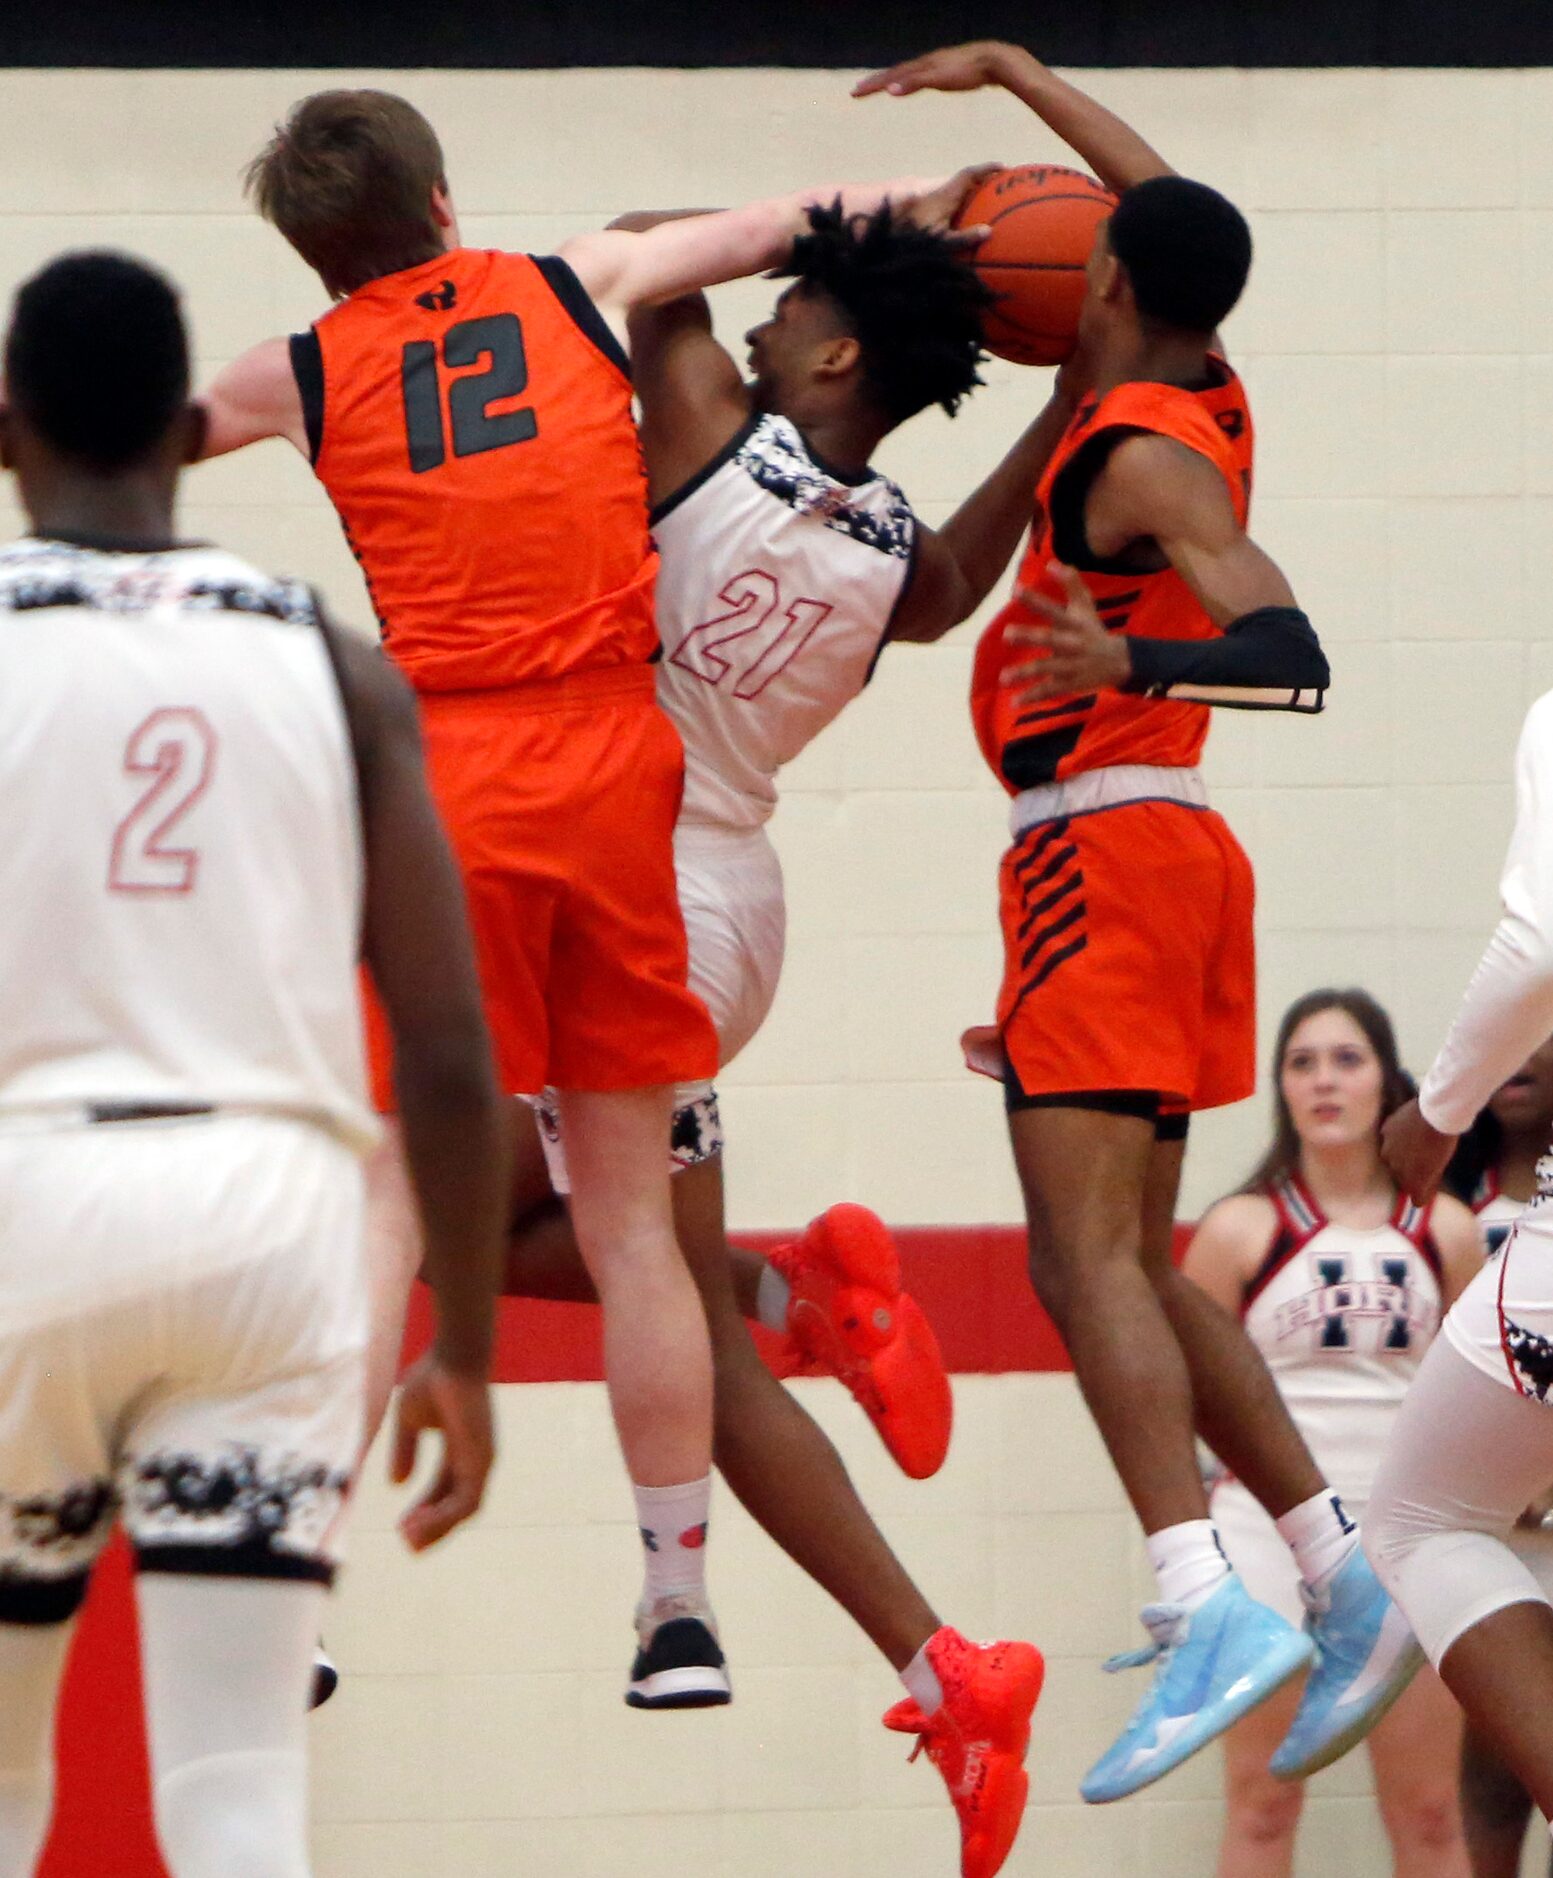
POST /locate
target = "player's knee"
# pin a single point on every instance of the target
(1048, 1280)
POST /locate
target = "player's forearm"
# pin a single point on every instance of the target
(985, 531)
(1268, 660)
(764, 232)
(687, 253)
(1507, 1008)
(639, 221)
(1112, 149)
(458, 1148)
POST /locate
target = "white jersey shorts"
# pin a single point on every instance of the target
(183, 1327)
(731, 894)
(1503, 1322)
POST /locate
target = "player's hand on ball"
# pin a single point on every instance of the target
(1415, 1151)
(1079, 654)
(458, 1406)
(936, 209)
(952, 68)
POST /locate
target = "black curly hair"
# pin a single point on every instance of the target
(97, 357)
(909, 299)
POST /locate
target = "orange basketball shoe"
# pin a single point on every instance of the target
(978, 1739)
(848, 1317)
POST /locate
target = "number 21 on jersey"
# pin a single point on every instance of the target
(176, 748)
(755, 639)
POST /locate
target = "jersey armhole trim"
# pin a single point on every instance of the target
(307, 367)
(910, 580)
(707, 470)
(1282, 1247)
(1070, 491)
(578, 302)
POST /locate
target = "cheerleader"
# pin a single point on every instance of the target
(1342, 1283)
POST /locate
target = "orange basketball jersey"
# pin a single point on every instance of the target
(471, 421)
(1027, 744)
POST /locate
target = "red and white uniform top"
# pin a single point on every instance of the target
(777, 582)
(183, 841)
(1343, 1316)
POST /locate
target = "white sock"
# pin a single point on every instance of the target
(771, 1299)
(672, 1522)
(1188, 1561)
(1320, 1535)
(922, 1684)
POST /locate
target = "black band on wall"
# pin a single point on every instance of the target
(459, 33)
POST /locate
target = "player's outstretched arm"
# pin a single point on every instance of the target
(1508, 1005)
(1112, 149)
(622, 269)
(1267, 657)
(254, 397)
(959, 564)
(416, 943)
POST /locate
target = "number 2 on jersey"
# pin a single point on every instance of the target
(754, 602)
(498, 337)
(176, 748)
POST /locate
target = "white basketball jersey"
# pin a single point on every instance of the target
(1343, 1316)
(180, 912)
(775, 589)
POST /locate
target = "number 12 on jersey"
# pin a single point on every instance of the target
(499, 338)
(755, 639)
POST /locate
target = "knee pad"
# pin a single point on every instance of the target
(697, 1131)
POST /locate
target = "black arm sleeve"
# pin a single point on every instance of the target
(1269, 660)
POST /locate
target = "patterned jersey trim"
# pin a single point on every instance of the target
(875, 513)
(35, 575)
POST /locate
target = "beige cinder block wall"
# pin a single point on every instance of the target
(1399, 349)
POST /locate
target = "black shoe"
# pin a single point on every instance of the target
(326, 1679)
(680, 1666)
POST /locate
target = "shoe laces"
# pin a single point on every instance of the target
(1166, 1624)
(824, 1353)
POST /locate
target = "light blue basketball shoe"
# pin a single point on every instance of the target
(1365, 1657)
(1213, 1665)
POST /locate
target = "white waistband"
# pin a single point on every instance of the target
(1111, 788)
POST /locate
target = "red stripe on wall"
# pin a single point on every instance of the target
(969, 1279)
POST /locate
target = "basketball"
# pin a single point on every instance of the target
(1043, 220)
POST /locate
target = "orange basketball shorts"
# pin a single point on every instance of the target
(560, 801)
(1129, 958)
